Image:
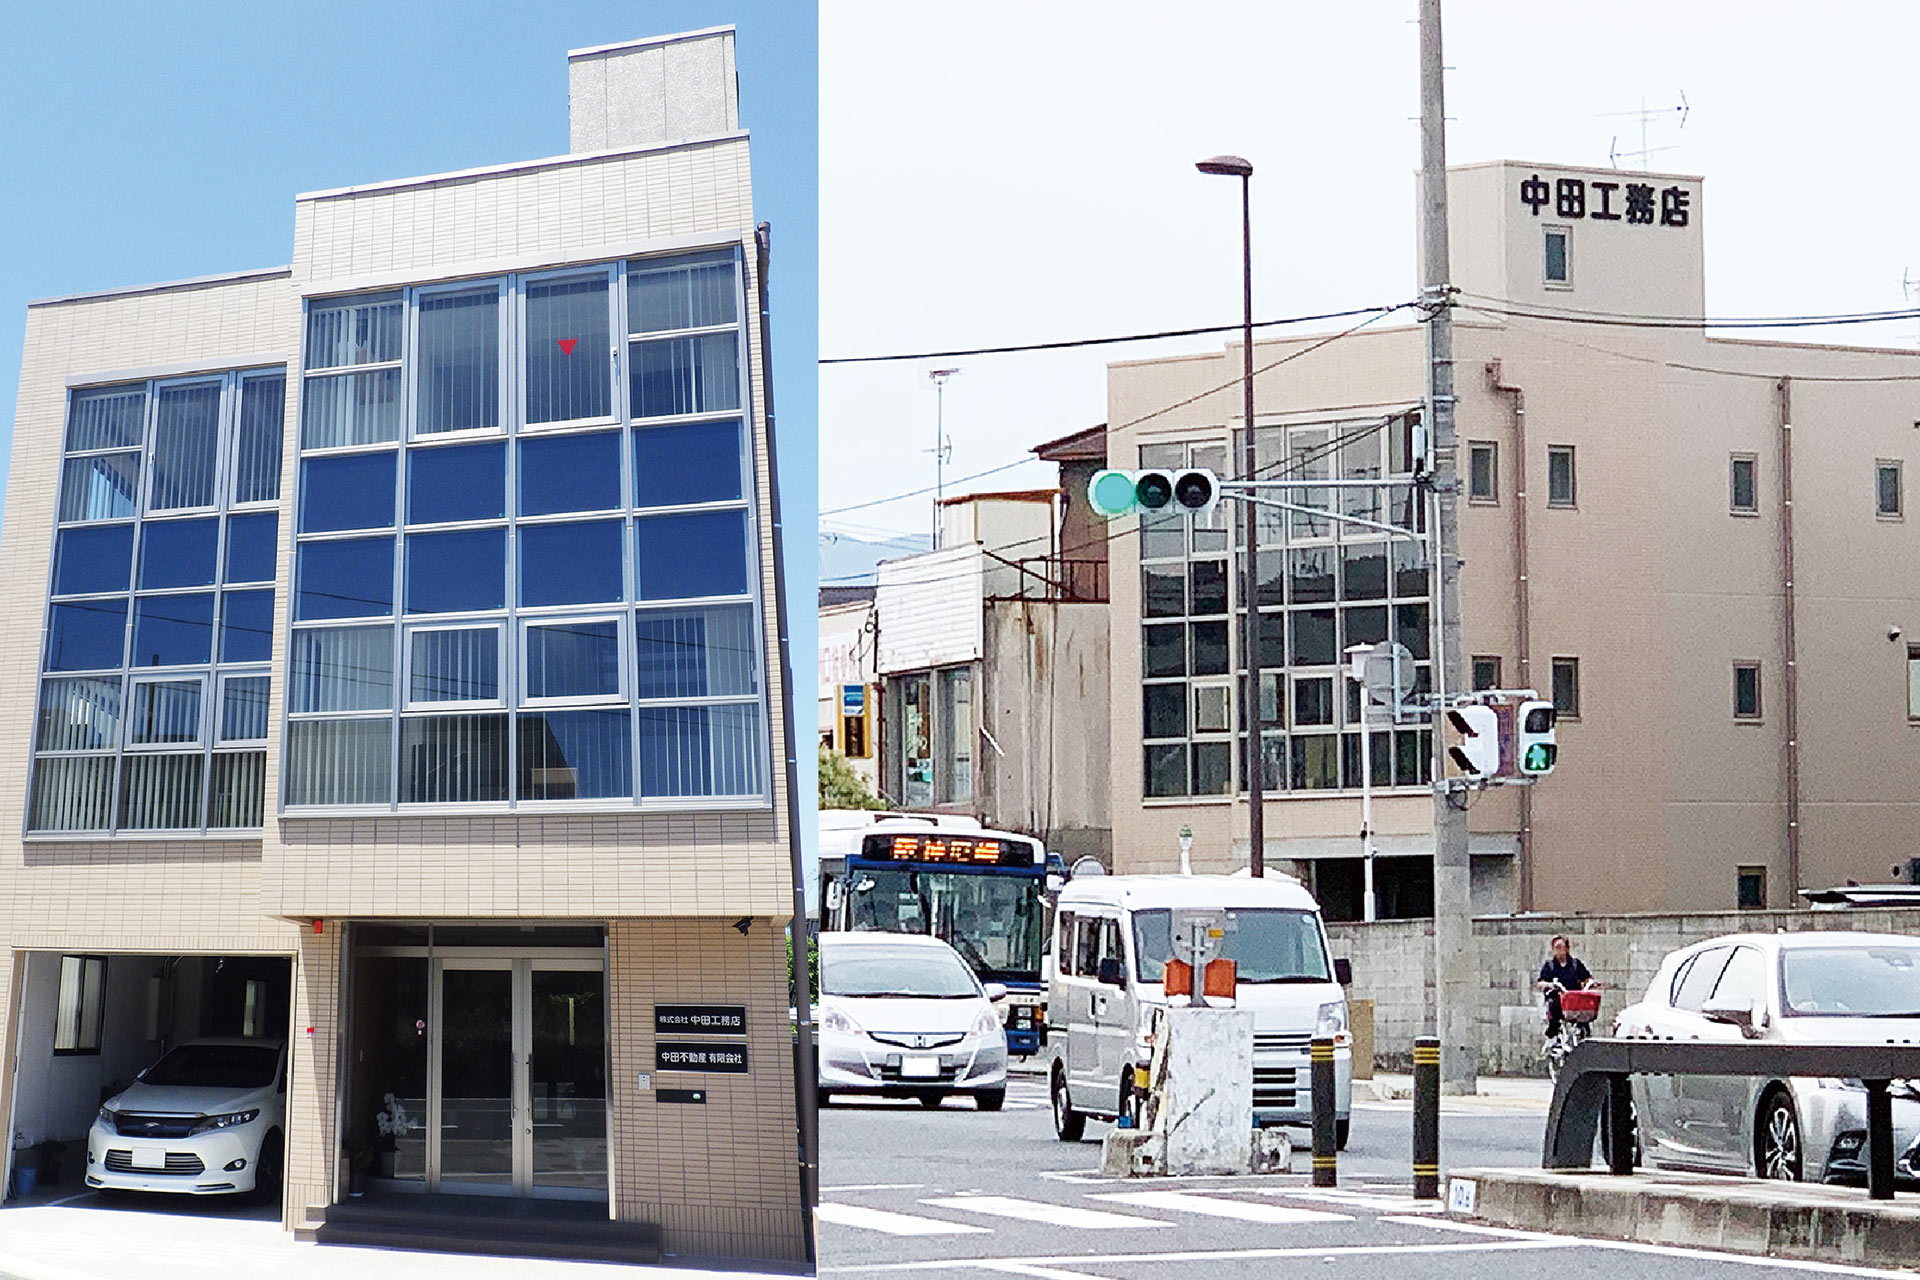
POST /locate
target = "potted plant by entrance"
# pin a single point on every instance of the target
(394, 1123)
(360, 1158)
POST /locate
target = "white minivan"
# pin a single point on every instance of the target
(1111, 941)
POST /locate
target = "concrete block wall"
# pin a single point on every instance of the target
(1623, 951)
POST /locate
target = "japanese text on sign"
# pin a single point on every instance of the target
(730, 1058)
(1606, 201)
(713, 1019)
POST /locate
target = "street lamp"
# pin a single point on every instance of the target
(1255, 756)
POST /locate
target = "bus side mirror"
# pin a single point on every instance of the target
(1112, 973)
(1343, 971)
(836, 894)
(1055, 881)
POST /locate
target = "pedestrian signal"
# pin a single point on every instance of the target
(1473, 742)
(1535, 743)
(1189, 491)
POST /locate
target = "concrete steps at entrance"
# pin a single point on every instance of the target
(500, 1227)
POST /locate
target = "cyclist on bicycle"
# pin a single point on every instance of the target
(1563, 971)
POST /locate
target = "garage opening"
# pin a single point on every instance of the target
(211, 1120)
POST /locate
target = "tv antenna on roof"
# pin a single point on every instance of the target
(1646, 116)
(942, 447)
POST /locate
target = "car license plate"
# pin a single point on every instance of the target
(149, 1158)
(921, 1067)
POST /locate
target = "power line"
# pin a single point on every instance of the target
(1068, 343)
(1629, 320)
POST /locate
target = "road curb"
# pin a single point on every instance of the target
(1739, 1216)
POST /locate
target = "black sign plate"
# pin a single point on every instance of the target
(700, 1019)
(679, 1056)
(683, 1095)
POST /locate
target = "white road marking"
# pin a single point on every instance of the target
(1209, 1206)
(1360, 1200)
(893, 1224)
(1053, 1215)
(874, 1186)
(1659, 1250)
(1039, 1273)
(1238, 1255)
(1238, 1180)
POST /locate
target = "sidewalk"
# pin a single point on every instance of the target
(1523, 1094)
(85, 1241)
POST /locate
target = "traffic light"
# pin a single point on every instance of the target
(1188, 491)
(1535, 742)
(1473, 741)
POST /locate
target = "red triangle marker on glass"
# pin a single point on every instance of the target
(566, 346)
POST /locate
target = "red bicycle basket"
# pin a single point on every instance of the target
(1580, 1006)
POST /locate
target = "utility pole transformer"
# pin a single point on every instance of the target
(1452, 871)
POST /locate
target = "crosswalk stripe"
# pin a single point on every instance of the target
(1359, 1200)
(893, 1224)
(1243, 1210)
(1053, 1215)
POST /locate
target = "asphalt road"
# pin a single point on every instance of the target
(954, 1192)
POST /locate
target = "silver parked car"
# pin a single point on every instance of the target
(1807, 988)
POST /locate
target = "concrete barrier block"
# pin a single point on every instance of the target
(1272, 1151)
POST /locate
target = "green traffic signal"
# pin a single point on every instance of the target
(1111, 494)
(1539, 758)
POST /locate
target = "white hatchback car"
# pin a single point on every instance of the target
(209, 1118)
(902, 1016)
(1811, 987)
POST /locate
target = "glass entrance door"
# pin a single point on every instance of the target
(520, 1099)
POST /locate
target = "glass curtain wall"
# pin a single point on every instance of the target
(1323, 586)
(536, 580)
(153, 706)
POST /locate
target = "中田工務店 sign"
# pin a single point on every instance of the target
(731, 1058)
(700, 1019)
(1605, 200)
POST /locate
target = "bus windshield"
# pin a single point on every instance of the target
(996, 921)
(1265, 944)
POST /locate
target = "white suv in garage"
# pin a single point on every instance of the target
(209, 1118)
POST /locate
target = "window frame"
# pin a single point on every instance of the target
(1881, 466)
(216, 712)
(1571, 664)
(1913, 683)
(1734, 463)
(623, 649)
(504, 384)
(227, 408)
(1490, 498)
(1564, 281)
(403, 666)
(98, 964)
(1473, 670)
(1572, 501)
(164, 675)
(615, 276)
(1741, 874)
(1758, 714)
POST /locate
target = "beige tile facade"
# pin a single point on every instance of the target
(721, 1179)
(1650, 580)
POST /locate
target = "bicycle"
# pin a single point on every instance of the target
(1578, 1010)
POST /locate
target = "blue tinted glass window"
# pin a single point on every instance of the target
(571, 563)
(88, 636)
(457, 482)
(93, 560)
(172, 631)
(455, 572)
(178, 553)
(575, 755)
(251, 547)
(686, 463)
(354, 492)
(698, 554)
(569, 473)
(348, 579)
(246, 626)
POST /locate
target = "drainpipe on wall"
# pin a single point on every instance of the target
(1522, 602)
(1789, 640)
(806, 1074)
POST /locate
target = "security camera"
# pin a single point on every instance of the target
(743, 924)
(1893, 633)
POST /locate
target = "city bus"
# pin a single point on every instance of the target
(984, 893)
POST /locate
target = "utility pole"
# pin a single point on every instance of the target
(1452, 872)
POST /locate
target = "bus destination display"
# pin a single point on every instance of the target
(946, 848)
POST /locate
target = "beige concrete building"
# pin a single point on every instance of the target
(391, 669)
(1698, 546)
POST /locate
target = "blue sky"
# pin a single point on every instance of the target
(148, 142)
